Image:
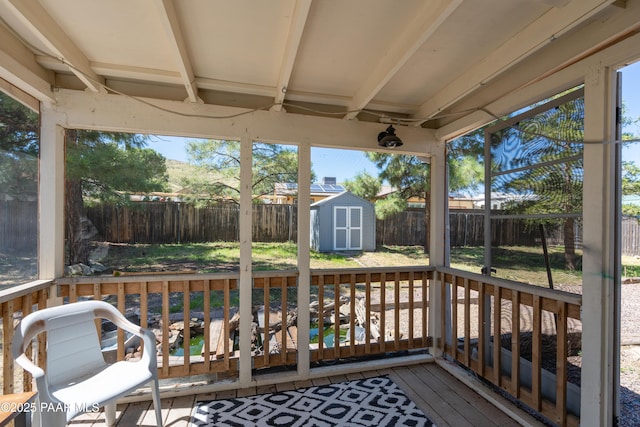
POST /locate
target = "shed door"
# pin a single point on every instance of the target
(347, 234)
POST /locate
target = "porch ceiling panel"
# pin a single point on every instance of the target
(448, 53)
(122, 33)
(404, 59)
(236, 41)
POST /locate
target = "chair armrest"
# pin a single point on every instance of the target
(38, 375)
(29, 366)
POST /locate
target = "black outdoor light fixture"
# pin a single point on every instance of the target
(389, 139)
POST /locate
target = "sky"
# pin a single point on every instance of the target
(631, 99)
(345, 164)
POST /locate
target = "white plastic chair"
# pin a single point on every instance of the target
(76, 378)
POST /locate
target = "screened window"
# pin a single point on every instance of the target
(534, 194)
(19, 148)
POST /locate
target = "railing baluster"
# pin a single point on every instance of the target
(536, 353)
(515, 343)
(454, 319)
(561, 364)
(411, 330)
(336, 316)
(396, 311)
(481, 329)
(352, 315)
(165, 328)
(321, 317)
(383, 311)
(367, 285)
(266, 298)
(42, 338)
(467, 322)
(144, 320)
(7, 341)
(27, 308)
(283, 323)
(497, 334)
(443, 313)
(226, 329)
(186, 329)
(121, 308)
(206, 297)
(144, 304)
(73, 293)
(425, 302)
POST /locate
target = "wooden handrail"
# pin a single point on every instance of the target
(395, 300)
(512, 285)
(499, 301)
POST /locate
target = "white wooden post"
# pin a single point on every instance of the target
(51, 200)
(51, 193)
(304, 244)
(597, 394)
(437, 250)
(246, 282)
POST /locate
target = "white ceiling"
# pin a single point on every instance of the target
(430, 61)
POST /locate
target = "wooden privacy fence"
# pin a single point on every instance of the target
(171, 222)
(18, 225)
(168, 222)
(630, 236)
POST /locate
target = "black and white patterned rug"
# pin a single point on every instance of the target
(373, 401)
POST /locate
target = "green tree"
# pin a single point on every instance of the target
(19, 148)
(364, 185)
(630, 171)
(104, 166)
(216, 174)
(410, 177)
(630, 187)
(546, 151)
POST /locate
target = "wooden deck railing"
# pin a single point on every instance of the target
(539, 331)
(366, 311)
(390, 306)
(354, 313)
(23, 300)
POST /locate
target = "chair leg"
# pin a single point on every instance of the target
(110, 413)
(155, 394)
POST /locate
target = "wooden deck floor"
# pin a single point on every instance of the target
(442, 397)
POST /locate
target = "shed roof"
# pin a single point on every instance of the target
(344, 194)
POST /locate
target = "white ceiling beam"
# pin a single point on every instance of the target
(615, 55)
(296, 29)
(410, 40)
(544, 30)
(109, 112)
(46, 30)
(19, 68)
(20, 95)
(235, 87)
(172, 29)
(137, 73)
